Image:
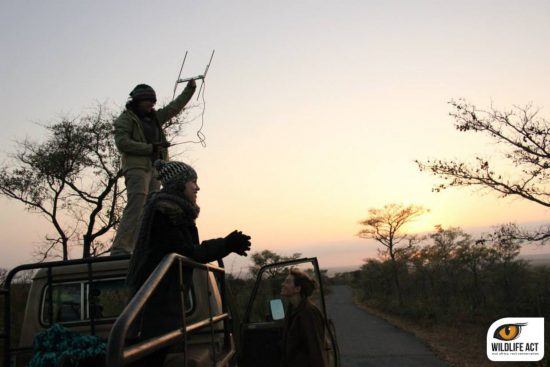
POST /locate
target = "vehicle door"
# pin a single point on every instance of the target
(262, 326)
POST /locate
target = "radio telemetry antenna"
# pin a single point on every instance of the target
(179, 76)
(198, 77)
(202, 78)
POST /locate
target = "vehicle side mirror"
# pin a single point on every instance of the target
(277, 309)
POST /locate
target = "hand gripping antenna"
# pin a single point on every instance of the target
(198, 77)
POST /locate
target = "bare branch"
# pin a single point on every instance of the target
(522, 133)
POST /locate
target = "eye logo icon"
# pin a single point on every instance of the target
(508, 332)
(519, 339)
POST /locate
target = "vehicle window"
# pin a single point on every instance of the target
(107, 298)
(73, 301)
(111, 296)
(269, 288)
(66, 302)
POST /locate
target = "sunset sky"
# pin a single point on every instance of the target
(316, 110)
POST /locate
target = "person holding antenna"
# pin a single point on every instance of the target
(140, 139)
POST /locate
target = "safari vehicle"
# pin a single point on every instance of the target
(89, 296)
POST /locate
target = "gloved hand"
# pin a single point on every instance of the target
(191, 84)
(238, 242)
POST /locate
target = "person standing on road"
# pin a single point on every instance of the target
(304, 326)
(140, 139)
(168, 226)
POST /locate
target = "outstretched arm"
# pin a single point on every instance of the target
(173, 108)
(218, 248)
(169, 235)
(210, 250)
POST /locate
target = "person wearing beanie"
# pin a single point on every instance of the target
(303, 340)
(140, 139)
(168, 226)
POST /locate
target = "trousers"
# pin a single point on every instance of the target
(139, 184)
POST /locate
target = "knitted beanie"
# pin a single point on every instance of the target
(174, 171)
(143, 91)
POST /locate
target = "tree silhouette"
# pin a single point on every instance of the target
(266, 257)
(72, 178)
(526, 139)
(385, 226)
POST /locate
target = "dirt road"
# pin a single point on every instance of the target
(366, 340)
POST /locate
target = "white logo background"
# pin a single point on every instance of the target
(531, 333)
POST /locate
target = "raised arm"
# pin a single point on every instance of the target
(173, 108)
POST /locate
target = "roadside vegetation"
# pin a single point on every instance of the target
(448, 287)
(452, 288)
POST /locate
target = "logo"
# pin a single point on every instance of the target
(516, 339)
